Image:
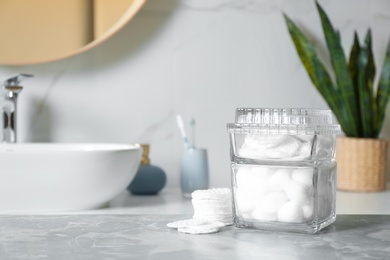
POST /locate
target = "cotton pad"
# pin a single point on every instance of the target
(217, 193)
(287, 148)
(212, 202)
(195, 226)
(197, 230)
(186, 223)
(226, 220)
(213, 209)
(263, 141)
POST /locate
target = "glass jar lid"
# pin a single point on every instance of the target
(305, 121)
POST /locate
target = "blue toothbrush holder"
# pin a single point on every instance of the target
(194, 171)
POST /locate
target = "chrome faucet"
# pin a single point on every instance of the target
(12, 88)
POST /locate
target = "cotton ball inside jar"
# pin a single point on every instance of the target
(268, 207)
(261, 215)
(272, 202)
(251, 176)
(297, 192)
(243, 177)
(303, 175)
(245, 201)
(253, 179)
(307, 210)
(263, 173)
(280, 177)
(290, 212)
(260, 181)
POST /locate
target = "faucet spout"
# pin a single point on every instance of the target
(12, 88)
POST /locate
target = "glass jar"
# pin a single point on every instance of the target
(283, 168)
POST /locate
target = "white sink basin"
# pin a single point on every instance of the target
(39, 177)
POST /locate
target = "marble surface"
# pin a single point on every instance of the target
(147, 237)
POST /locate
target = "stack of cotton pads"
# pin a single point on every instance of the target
(276, 146)
(196, 226)
(213, 205)
(212, 211)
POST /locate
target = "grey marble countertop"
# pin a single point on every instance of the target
(147, 237)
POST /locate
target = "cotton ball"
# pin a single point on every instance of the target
(262, 172)
(307, 210)
(244, 201)
(290, 212)
(272, 202)
(261, 215)
(243, 177)
(279, 178)
(253, 179)
(260, 181)
(297, 192)
(303, 175)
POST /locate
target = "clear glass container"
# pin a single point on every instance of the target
(284, 198)
(283, 168)
(282, 134)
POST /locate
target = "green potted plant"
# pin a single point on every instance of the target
(358, 106)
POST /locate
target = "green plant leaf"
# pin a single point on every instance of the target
(383, 92)
(317, 72)
(343, 79)
(370, 73)
(353, 71)
(366, 74)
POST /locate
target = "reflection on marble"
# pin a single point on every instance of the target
(147, 237)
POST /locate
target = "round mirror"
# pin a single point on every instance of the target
(38, 31)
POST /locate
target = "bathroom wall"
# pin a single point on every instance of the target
(199, 58)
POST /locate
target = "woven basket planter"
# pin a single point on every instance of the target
(361, 164)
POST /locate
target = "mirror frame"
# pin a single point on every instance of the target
(123, 20)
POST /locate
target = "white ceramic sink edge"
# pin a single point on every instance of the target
(54, 177)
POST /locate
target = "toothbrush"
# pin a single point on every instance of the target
(192, 127)
(180, 124)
